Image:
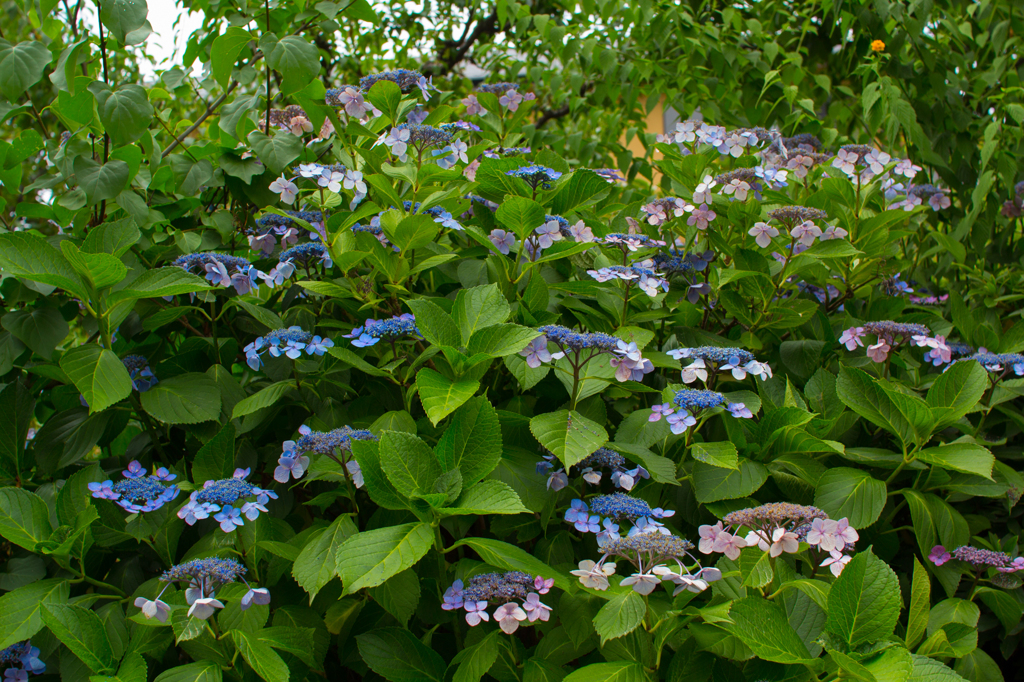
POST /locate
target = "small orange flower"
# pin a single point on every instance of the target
(877, 46)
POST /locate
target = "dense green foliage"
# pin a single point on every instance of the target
(375, 378)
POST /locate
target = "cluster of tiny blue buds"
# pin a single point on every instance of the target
(405, 79)
(306, 253)
(290, 342)
(375, 330)
(137, 492)
(218, 498)
(576, 341)
(536, 176)
(140, 373)
(999, 362)
(697, 399)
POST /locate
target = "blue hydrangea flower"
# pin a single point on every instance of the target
(202, 578)
(137, 493)
(375, 330)
(222, 270)
(139, 372)
(694, 400)
(290, 342)
(20, 659)
(536, 176)
(218, 498)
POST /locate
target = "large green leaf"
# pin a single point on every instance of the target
(122, 17)
(101, 182)
(30, 257)
(582, 186)
(21, 66)
(501, 340)
(317, 562)
(265, 397)
(763, 626)
(203, 671)
(114, 238)
(968, 458)
(929, 670)
(225, 52)
(511, 558)
(441, 397)
(263, 659)
(722, 454)
(472, 442)
(41, 329)
(126, 112)
(396, 655)
(617, 671)
(24, 518)
(622, 614)
(367, 455)
(479, 307)
(275, 152)
(864, 602)
(713, 483)
(399, 595)
(487, 497)
(570, 436)
(160, 282)
(101, 270)
(906, 417)
(520, 215)
(434, 323)
(185, 399)
(296, 59)
(957, 391)
(190, 175)
(472, 663)
(369, 558)
(98, 374)
(20, 609)
(850, 493)
(81, 631)
(409, 463)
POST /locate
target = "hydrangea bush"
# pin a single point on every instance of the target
(374, 378)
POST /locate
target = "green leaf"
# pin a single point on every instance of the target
(472, 442)
(41, 329)
(21, 66)
(721, 454)
(487, 497)
(472, 663)
(185, 399)
(479, 307)
(617, 671)
(906, 417)
(434, 323)
(126, 112)
(850, 493)
(98, 374)
(30, 257)
(501, 340)
(263, 659)
(399, 595)
(265, 397)
(511, 558)
(20, 609)
(582, 186)
(920, 605)
(297, 641)
(367, 455)
(216, 459)
(712, 483)
(662, 469)
(121, 17)
(114, 238)
(160, 282)
(968, 458)
(101, 182)
(203, 671)
(81, 631)
(622, 614)
(225, 52)
(441, 397)
(387, 97)
(190, 175)
(369, 558)
(417, 662)
(297, 60)
(864, 602)
(520, 215)
(24, 518)
(101, 270)
(409, 463)
(764, 627)
(957, 392)
(275, 152)
(317, 563)
(929, 670)
(570, 436)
